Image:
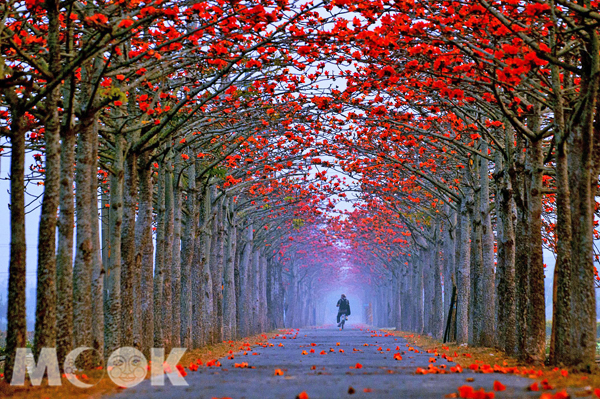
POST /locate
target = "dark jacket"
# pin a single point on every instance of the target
(344, 305)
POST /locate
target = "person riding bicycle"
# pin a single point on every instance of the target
(344, 308)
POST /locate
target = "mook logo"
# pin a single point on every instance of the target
(126, 367)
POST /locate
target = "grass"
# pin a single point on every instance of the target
(214, 352)
(465, 356)
(104, 385)
(65, 391)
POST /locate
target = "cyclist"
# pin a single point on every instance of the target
(344, 308)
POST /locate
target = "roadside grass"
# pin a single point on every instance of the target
(105, 386)
(465, 356)
(223, 349)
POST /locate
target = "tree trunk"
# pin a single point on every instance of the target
(463, 274)
(488, 320)
(245, 278)
(263, 294)
(144, 261)
(449, 240)
(520, 184)
(64, 256)
(104, 224)
(279, 297)
(270, 295)
(128, 248)
(438, 307)
(583, 145)
(98, 271)
(505, 269)
(167, 294)
(201, 295)
(476, 294)
(237, 280)
(82, 268)
(457, 247)
(405, 292)
(418, 268)
(159, 258)
(176, 260)
(561, 350)
(216, 270)
(583, 299)
(395, 297)
(254, 291)
(229, 298)
(16, 333)
(45, 309)
(203, 308)
(112, 312)
(411, 311)
(536, 323)
(187, 253)
(425, 260)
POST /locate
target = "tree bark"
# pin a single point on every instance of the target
(128, 248)
(521, 186)
(437, 308)
(64, 256)
(270, 295)
(476, 295)
(279, 297)
(412, 324)
(176, 260)
(167, 294)
(203, 304)
(98, 271)
(583, 297)
(238, 279)
(505, 269)
(418, 268)
(561, 350)
(488, 320)
(425, 260)
(105, 237)
(159, 258)
(536, 323)
(45, 309)
(187, 253)
(449, 249)
(143, 287)
(82, 268)
(263, 294)
(583, 181)
(199, 295)
(255, 292)
(216, 270)
(112, 312)
(405, 291)
(229, 298)
(463, 274)
(245, 299)
(395, 297)
(16, 333)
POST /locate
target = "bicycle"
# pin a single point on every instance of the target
(343, 319)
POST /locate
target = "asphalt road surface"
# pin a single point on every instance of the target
(330, 375)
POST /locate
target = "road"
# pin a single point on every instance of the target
(330, 375)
